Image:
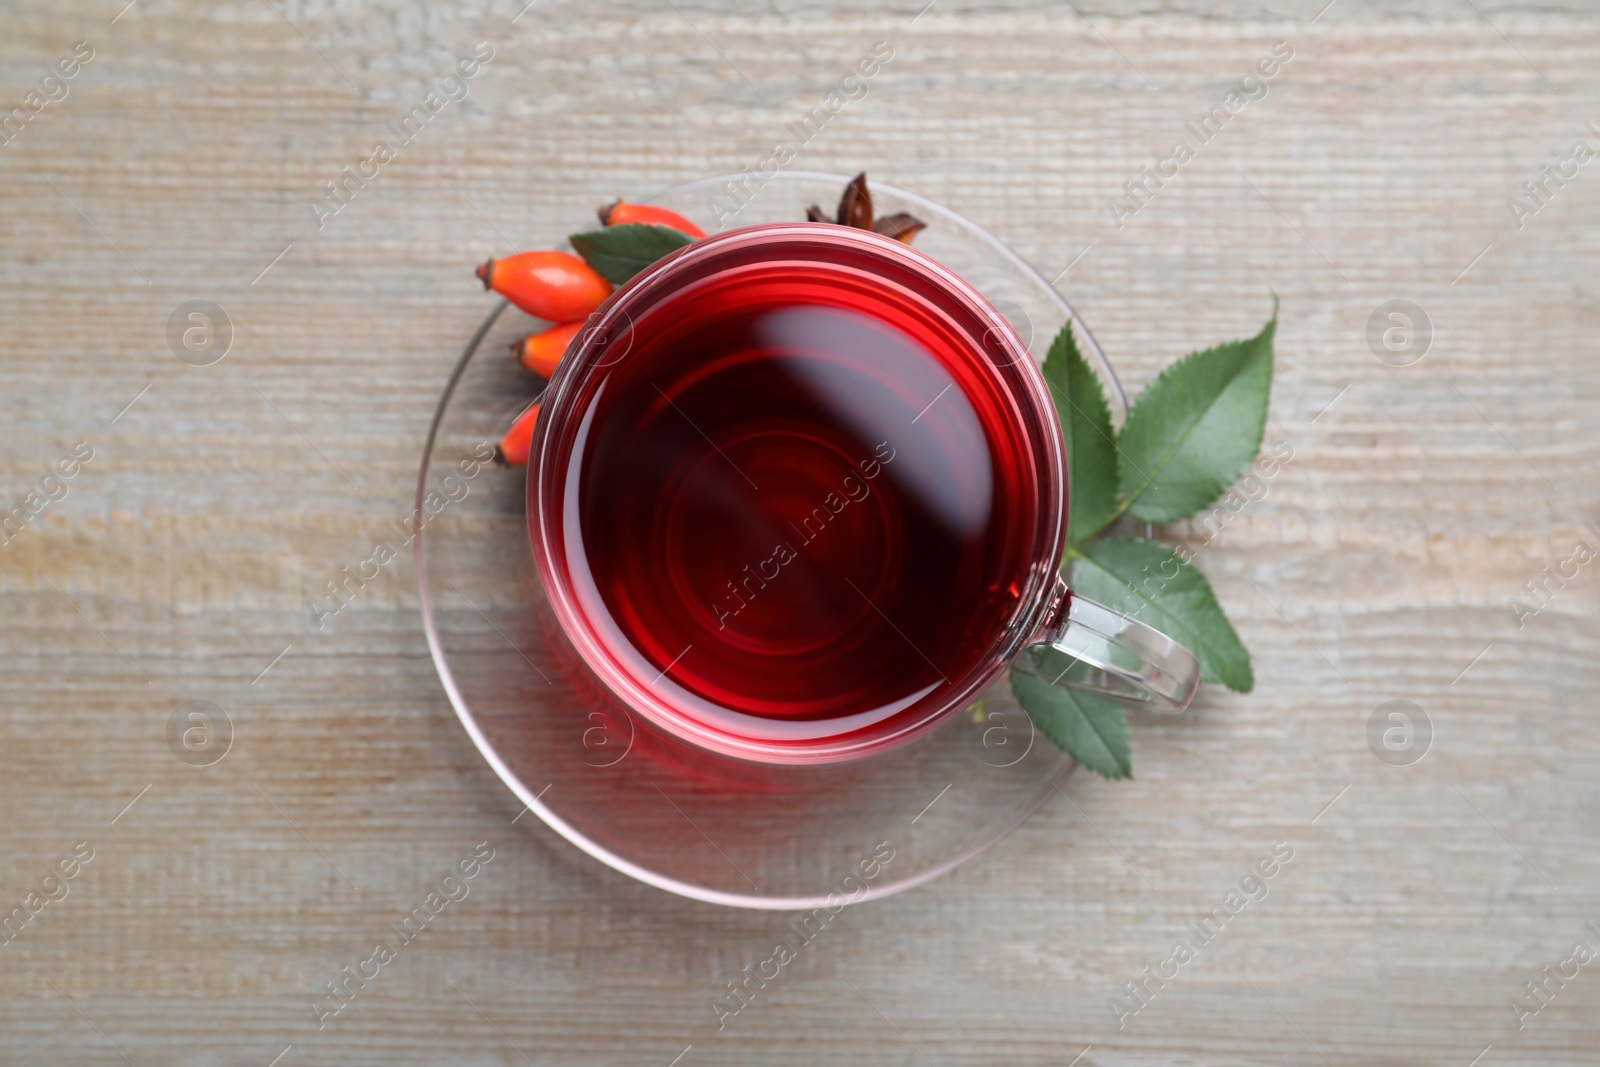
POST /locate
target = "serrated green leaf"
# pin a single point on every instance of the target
(1091, 729)
(1091, 444)
(1195, 429)
(1149, 582)
(620, 252)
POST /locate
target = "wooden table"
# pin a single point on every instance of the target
(182, 165)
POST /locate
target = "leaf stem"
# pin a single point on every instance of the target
(1121, 510)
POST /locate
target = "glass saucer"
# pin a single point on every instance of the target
(668, 814)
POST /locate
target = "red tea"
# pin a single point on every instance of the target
(803, 496)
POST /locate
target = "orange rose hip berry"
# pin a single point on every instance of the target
(554, 286)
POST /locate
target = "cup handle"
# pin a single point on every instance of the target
(1113, 655)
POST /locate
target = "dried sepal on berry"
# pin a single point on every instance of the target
(855, 209)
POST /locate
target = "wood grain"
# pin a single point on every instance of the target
(178, 565)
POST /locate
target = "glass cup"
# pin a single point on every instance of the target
(1109, 652)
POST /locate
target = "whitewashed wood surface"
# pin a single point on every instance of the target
(179, 167)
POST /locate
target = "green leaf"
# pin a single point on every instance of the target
(1091, 445)
(620, 252)
(1091, 729)
(1149, 582)
(1195, 429)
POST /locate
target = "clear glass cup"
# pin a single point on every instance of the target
(863, 268)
